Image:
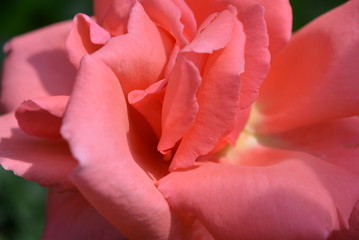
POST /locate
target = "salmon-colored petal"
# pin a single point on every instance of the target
(138, 58)
(45, 162)
(37, 66)
(290, 195)
(69, 216)
(180, 103)
(42, 117)
(335, 141)
(167, 14)
(278, 16)
(314, 78)
(115, 166)
(148, 102)
(113, 15)
(218, 99)
(85, 37)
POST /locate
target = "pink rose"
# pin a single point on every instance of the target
(150, 121)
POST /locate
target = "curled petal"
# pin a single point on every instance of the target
(85, 38)
(42, 117)
(219, 93)
(138, 58)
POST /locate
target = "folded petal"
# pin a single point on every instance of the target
(218, 99)
(69, 216)
(335, 141)
(37, 66)
(278, 16)
(113, 15)
(85, 37)
(115, 162)
(138, 58)
(42, 117)
(45, 162)
(283, 195)
(314, 78)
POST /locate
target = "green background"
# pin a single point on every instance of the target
(21, 202)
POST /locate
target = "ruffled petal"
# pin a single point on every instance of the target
(69, 216)
(278, 17)
(115, 166)
(314, 78)
(335, 141)
(45, 162)
(282, 195)
(218, 99)
(138, 58)
(37, 66)
(85, 37)
(42, 117)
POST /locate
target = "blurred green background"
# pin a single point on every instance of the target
(21, 202)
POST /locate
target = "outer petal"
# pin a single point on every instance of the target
(37, 66)
(45, 162)
(42, 117)
(334, 141)
(109, 173)
(139, 57)
(315, 77)
(284, 195)
(69, 216)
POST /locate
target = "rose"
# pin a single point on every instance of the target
(145, 84)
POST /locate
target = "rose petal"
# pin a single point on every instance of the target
(42, 117)
(278, 16)
(45, 162)
(314, 78)
(109, 173)
(37, 66)
(85, 37)
(218, 100)
(335, 141)
(139, 57)
(76, 218)
(289, 196)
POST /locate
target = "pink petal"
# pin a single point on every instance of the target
(42, 117)
(113, 15)
(168, 15)
(314, 78)
(284, 195)
(139, 57)
(37, 66)
(85, 37)
(180, 103)
(115, 163)
(148, 102)
(278, 16)
(69, 216)
(335, 141)
(45, 162)
(218, 100)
